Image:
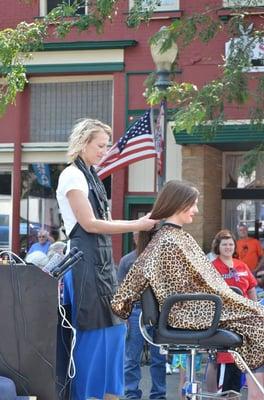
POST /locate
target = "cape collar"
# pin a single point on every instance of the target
(172, 224)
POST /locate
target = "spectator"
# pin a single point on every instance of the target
(7, 389)
(43, 243)
(260, 286)
(54, 235)
(236, 274)
(37, 258)
(135, 344)
(56, 247)
(249, 249)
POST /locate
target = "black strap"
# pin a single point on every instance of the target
(97, 186)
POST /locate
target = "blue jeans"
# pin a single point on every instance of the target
(134, 347)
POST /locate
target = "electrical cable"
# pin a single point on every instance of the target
(11, 255)
(67, 325)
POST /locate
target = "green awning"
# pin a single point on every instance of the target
(226, 134)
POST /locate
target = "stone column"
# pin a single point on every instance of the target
(202, 165)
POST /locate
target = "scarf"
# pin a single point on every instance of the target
(96, 185)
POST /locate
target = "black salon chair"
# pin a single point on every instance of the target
(174, 340)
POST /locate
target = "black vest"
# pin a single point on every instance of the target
(94, 277)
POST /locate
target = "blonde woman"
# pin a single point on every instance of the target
(89, 287)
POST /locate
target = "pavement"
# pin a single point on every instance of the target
(172, 385)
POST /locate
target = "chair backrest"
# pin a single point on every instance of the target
(150, 307)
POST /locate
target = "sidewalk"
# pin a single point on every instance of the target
(172, 385)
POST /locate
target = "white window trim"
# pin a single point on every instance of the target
(242, 3)
(174, 7)
(51, 153)
(256, 54)
(69, 78)
(43, 8)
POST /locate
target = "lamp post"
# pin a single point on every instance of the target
(163, 61)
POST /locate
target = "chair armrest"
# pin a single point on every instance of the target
(180, 334)
(237, 290)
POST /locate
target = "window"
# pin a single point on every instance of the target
(243, 196)
(243, 3)
(47, 5)
(254, 49)
(235, 180)
(164, 5)
(5, 208)
(56, 106)
(38, 205)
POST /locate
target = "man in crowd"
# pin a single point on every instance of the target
(135, 345)
(43, 243)
(249, 249)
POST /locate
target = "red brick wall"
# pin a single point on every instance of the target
(199, 64)
(15, 122)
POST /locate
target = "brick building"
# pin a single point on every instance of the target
(102, 76)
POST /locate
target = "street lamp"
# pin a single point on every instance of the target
(163, 61)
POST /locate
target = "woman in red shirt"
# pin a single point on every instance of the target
(236, 274)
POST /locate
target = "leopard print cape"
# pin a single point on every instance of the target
(174, 263)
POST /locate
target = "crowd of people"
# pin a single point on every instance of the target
(167, 258)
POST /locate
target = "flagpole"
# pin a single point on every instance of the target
(163, 60)
(162, 177)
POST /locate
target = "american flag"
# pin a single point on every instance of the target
(135, 145)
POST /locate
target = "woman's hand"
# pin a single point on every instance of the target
(145, 223)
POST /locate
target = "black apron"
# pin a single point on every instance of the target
(94, 277)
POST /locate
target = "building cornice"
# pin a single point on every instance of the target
(89, 45)
(68, 68)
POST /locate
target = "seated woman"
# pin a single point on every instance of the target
(173, 262)
(236, 274)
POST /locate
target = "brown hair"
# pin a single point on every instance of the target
(175, 196)
(221, 235)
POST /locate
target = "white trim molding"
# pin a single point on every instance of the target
(79, 57)
(243, 3)
(164, 5)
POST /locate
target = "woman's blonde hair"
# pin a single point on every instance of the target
(83, 132)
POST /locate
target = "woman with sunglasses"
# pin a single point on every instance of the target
(237, 275)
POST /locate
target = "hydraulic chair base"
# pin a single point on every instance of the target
(193, 388)
(178, 340)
